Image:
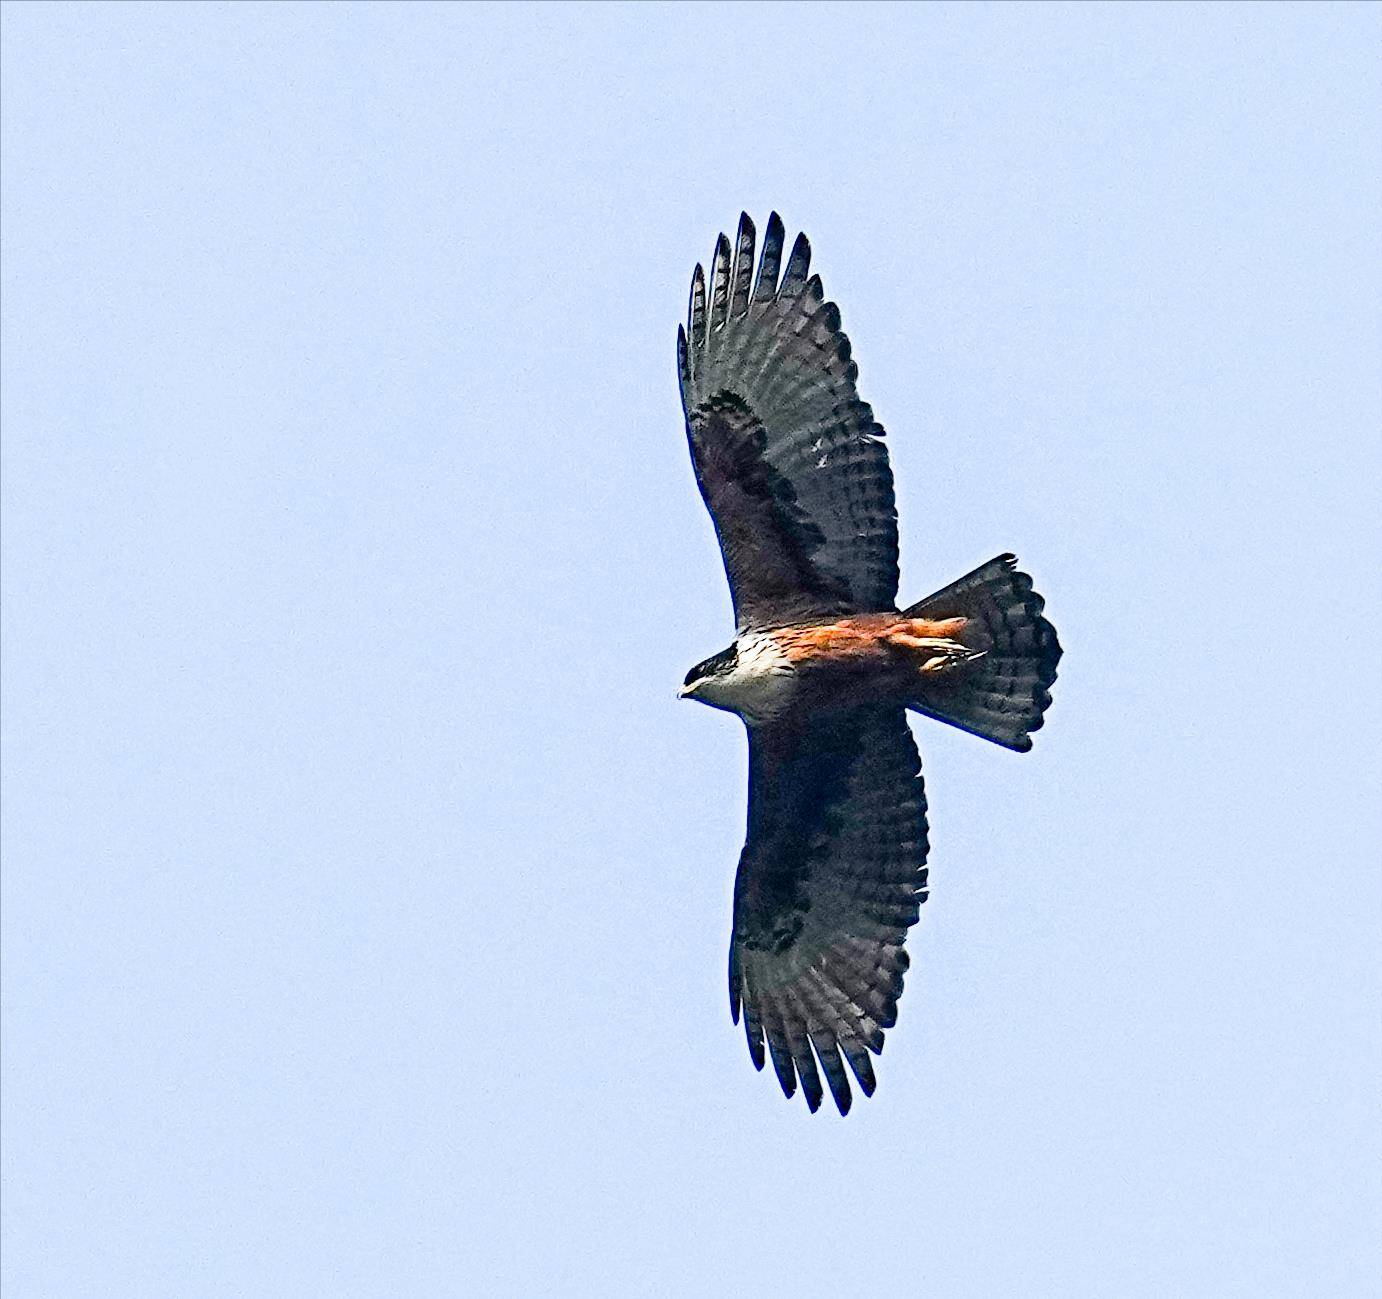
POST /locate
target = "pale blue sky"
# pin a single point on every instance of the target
(366, 891)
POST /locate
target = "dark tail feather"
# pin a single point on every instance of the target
(1001, 696)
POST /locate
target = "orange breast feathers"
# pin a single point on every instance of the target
(867, 640)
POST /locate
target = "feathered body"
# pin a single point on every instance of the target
(873, 657)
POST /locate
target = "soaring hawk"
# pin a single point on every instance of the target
(824, 666)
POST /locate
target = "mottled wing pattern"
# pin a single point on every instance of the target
(831, 877)
(789, 460)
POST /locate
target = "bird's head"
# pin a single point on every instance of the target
(706, 681)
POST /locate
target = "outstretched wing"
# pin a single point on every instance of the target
(831, 878)
(789, 460)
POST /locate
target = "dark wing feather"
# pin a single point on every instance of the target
(789, 460)
(831, 878)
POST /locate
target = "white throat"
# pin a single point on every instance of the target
(760, 685)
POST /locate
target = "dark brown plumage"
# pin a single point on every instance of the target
(795, 474)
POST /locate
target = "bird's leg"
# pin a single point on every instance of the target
(936, 639)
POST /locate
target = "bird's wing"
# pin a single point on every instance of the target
(789, 460)
(831, 877)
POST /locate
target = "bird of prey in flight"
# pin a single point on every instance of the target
(824, 665)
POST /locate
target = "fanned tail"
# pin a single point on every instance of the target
(1001, 694)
